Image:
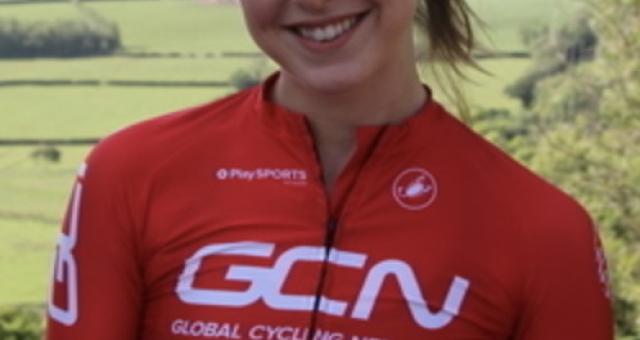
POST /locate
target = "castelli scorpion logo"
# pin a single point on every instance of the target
(415, 189)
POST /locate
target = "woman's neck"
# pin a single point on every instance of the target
(388, 98)
(383, 99)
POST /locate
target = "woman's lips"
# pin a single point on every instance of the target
(326, 35)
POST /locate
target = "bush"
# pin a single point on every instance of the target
(554, 51)
(68, 38)
(524, 87)
(21, 322)
(48, 153)
(244, 78)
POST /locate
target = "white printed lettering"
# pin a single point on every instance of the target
(65, 268)
(266, 283)
(204, 329)
(289, 176)
(267, 332)
(412, 294)
(273, 296)
(189, 294)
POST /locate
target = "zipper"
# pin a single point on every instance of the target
(329, 239)
(331, 228)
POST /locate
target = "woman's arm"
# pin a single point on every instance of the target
(96, 285)
(566, 294)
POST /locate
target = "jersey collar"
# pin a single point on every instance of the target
(293, 125)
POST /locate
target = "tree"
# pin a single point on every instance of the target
(553, 51)
(584, 135)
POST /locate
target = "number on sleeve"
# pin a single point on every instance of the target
(65, 269)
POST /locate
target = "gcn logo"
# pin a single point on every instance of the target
(414, 189)
(266, 283)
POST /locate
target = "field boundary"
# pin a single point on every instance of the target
(192, 55)
(497, 54)
(36, 2)
(49, 141)
(113, 82)
(44, 219)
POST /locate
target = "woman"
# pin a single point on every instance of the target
(337, 200)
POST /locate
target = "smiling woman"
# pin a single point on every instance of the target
(304, 40)
(336, 200)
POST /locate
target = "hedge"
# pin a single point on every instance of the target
(68, 38)
(24, 322)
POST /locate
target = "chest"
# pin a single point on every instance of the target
(257, 252)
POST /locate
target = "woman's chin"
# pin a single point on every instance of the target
(333, 82)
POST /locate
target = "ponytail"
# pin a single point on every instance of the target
(448, 27)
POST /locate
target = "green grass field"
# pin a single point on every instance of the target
(34, 193)
(25, 258)
(34, 112)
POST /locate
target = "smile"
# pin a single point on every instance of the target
(328, 32)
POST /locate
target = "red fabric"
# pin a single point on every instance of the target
(211, 223)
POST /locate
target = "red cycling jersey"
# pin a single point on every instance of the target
(213, 223)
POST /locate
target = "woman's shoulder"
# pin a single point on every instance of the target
(510, 184)
(140, 154)
(540, 221)
(190, 120)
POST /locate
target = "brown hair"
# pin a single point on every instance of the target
(448, 26)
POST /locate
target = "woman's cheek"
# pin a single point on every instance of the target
(262, 14)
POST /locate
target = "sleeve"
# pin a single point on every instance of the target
(566, 293)
(96, 286)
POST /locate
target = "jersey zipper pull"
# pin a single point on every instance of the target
(330, 236)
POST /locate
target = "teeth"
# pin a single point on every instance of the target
(328, 32)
